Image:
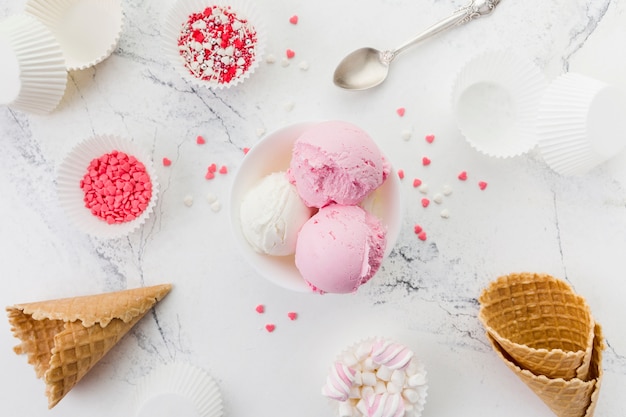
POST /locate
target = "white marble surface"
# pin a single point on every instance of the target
(528, 218)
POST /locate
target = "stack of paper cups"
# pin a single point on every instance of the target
(581, 123)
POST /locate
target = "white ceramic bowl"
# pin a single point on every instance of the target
(273, 153)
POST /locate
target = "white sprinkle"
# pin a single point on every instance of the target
(236, 25)
(445, 213)
(438, 198)
(304, 66)
(285, 62)
(289, 105)
(423, 188)
(199, 24)
(211, 198)
(188, 200)
(406, 134)
(270, 59)
(447, 190)
(216, 206)
(260, 131)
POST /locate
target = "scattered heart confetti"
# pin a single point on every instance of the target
(401, 111)
(401, 173)
(260, 309)
(423, 188)
(425, 161)
(438, 198)
(188, 200)
(417, 182)
(430, 138)
(462, 176)
(200, 140)
(270, 327)
(482, 185)
(212, 168)
(422, 236)
(223, 169)
(292, 315)
(425, 202)
(447, 190)
(417, 229)
(167, 162)
(445, 213)
(293, 20)
(209, 175)
(290, 53)
(246, 150)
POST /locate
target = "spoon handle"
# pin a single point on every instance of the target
(474, 9)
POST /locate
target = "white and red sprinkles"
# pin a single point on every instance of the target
(217, 45)
(117, 187)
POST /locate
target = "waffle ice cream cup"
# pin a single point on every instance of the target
(178, 389)
(87, 30)
(33, 76)
(495, 99)
(179, 14)
(581, 123)
(540, 322)
(71, 196)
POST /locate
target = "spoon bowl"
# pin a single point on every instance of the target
(361, 69)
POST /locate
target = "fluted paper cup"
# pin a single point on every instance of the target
(581, 123)
(87, 30)
(33, 76)
(183, 54)
(71, 195)
(178, 389)
(495, 99)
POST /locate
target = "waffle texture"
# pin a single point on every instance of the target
(63, 339)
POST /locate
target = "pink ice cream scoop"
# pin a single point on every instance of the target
(336, 162)
(340, 248)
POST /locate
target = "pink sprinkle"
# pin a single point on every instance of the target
(425, 161)
(270, 327)
(246, 150)
(425, 202)
(212, 168)
(293, 20)
(417, 229)
(223, 169)
(260, 309)
(401, 173)
(400, 111)
(417, 182)
(290, 53)
(482, 185)
(463, 176)
(209, 175)
(422, 236)
(430, 138)
(200, 140)
(167, 162)
(292, 315)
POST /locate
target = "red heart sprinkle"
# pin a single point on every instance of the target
(463, 176)
(425, 161)
(422, 236)
(482, 185)
(212, 168)
(200, 140)
(417, 182)
(401, 173)
(167, 162)
(260, 309)
(425, 202)
(246, 150)
(400, 111)
(223, 169)
(290, 53)
(292, 315)
(430, 138)
(417, 229)
(270, 327)
(209, 175)
(293, 20)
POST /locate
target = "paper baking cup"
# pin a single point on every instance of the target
(88, 30)
(32, 68)
(495, 99)
(174, 388)
(581, 123)
(74, 167)
(180, 13)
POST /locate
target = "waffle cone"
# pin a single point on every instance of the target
(566, 398)
(541, 323)
(63, 339)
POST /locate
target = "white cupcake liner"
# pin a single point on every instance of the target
(74, 167)
(350, 353)
(181, 380)
(180, 13)
(495, 99)
(581, 123)
(33, 66)
(87, 30)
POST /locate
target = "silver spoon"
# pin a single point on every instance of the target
(367, 67)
